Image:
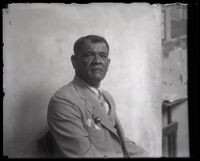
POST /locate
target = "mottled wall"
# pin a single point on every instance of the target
(174, 71)
(38, 41)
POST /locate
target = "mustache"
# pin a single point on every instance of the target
(97, 64)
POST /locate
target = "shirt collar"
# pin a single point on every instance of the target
(92, 89)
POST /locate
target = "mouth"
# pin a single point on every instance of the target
(98, 68)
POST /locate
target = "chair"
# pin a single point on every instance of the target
(46, 145)
(170, 130)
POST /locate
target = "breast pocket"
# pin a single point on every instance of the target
(97, 135)
(95, 131)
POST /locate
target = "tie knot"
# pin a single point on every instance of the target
(99, 94)
(102, 101)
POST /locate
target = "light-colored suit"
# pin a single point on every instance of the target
(71, 114)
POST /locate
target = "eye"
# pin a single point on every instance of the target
(104, 55)
(87, 54)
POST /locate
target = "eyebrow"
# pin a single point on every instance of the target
(95, 52)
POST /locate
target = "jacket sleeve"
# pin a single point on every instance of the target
(134, 151)
(67, 128)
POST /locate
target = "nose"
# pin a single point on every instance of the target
(97, 58)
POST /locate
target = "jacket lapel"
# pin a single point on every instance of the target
(93, 102)
(122, 137)
(119, 128)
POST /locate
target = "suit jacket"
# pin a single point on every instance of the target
(71, 119)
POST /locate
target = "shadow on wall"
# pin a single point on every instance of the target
(29, 122)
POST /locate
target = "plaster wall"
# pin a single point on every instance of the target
(38, 42)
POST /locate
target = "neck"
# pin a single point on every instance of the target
(90, 83)
(94, 84)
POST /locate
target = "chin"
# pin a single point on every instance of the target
(97, 78)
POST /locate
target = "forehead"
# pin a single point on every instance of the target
(94, 46)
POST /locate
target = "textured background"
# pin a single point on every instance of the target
(38, 42)
(174, 71)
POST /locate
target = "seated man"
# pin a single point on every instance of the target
(81, 115)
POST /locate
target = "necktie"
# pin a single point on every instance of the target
(103, 103)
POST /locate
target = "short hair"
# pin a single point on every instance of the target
(93, 38)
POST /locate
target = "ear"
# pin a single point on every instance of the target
(73, 60)
(108, 62)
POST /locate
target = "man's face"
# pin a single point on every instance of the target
(92, 62)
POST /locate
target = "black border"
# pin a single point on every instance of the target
(193, 66)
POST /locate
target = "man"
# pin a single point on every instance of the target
(81, 116)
